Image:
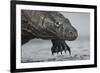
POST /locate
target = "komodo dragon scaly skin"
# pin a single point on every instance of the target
(51, 25)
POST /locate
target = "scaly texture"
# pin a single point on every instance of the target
(51, 25)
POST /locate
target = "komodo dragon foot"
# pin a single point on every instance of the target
(59, 46)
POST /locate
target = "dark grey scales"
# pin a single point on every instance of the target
(51, 25)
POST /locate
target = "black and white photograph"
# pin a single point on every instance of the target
(51, 36)
(54, 36)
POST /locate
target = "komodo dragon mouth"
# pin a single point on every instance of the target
(50, 25)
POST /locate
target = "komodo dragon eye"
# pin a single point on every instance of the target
(57, 24)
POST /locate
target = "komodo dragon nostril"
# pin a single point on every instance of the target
(70, 32)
